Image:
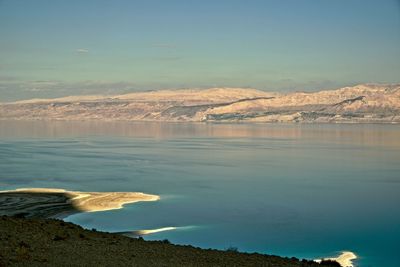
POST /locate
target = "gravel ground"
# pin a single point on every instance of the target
(48, 242)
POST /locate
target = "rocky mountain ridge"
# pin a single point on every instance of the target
(360, 103)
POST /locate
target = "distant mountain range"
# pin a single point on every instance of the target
(361, 103)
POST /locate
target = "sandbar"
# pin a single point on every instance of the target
(60, 203)
(345, 259)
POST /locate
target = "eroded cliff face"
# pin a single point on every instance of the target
(361, 103)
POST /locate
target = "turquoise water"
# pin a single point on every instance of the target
(307, 191)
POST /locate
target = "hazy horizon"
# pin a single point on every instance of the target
(57, 48)
(127, 91)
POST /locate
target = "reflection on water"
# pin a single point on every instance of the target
(308, 191)
(364, 134)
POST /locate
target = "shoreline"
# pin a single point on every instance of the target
(227, 122)
(52, 242)
(345, 259)
(47, 203)
(60, 203)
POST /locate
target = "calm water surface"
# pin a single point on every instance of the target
(295, 190)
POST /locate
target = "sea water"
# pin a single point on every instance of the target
(303, 190)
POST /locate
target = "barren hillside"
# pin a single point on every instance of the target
(361, 103)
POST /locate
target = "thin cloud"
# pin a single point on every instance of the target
(82, 51)
(36, 89)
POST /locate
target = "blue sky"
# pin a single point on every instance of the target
(54, 48)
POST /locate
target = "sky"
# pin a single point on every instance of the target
(51, 48)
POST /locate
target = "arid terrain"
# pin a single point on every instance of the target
(362, 103)
(29, 237)
(46, 242)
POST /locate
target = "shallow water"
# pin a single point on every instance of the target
(308, 191)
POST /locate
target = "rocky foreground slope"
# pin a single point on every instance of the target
(46, 242)
(361, 103)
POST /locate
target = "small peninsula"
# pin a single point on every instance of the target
(30, 234)
(60, 203)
